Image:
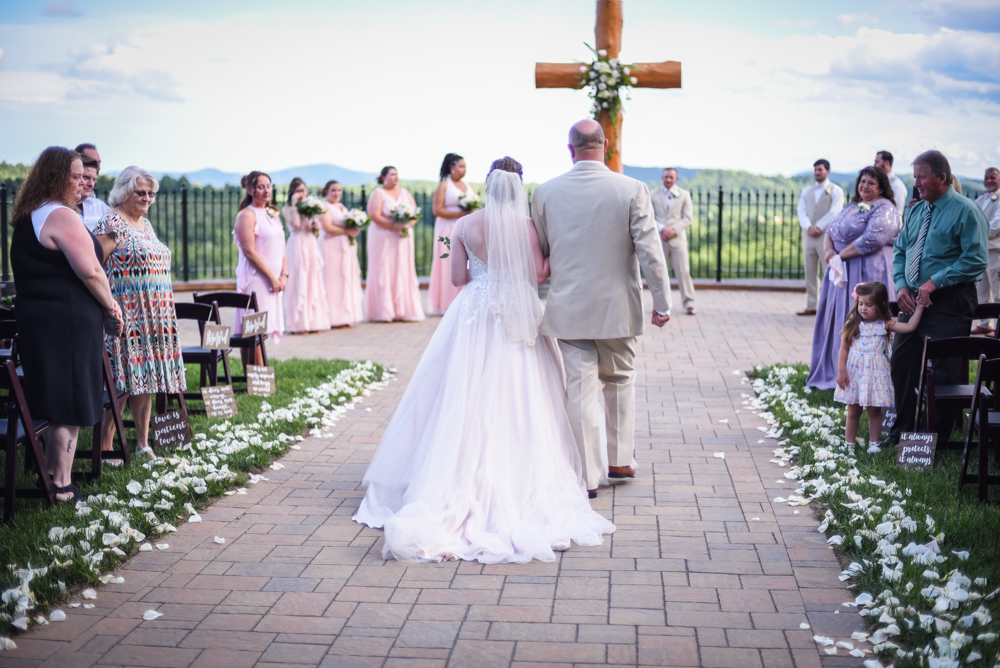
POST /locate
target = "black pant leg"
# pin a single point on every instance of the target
(907, 350)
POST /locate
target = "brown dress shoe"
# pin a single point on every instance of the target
(690, 310)
(621, 472)
(808, 311)
(591, 493)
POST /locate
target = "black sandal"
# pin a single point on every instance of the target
(69, 489)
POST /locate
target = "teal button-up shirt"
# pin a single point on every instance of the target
(955, 250)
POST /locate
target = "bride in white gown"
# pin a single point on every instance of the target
(479, 461)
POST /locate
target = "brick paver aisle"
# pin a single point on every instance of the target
(702, 571)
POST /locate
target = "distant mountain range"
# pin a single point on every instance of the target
(313, 175)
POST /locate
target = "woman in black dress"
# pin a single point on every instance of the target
(63, 297)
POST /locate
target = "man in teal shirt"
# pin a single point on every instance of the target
(937, 259)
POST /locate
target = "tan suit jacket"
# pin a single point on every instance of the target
(679, 215)
(596, 227)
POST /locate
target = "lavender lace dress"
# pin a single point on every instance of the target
(872, 232)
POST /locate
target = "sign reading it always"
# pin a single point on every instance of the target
(219, 401)
(916, 450)
(260, 380)
(254, 323)
(171, 429)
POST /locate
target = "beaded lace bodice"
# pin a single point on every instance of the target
(476, 291)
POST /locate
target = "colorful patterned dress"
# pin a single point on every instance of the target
(146, 358)
(869, 382)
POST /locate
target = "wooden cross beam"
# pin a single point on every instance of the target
(608, 36)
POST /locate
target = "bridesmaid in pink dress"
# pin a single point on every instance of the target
(442, 291)
(261, 266)
(392, 291)
(341, 269)
(305, 296)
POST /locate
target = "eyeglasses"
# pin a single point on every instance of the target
(144, 193)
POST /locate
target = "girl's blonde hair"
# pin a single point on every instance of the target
(880, 301)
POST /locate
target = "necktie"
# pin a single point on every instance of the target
(913, 269)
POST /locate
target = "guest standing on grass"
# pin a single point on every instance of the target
(442, 292)
(819, 204)
(858, 249)
(305, 296)
(391, 291)
(146, 358)
(261, 265)
(988, 289)
(341, 269)
(63, 298)
(937, 258)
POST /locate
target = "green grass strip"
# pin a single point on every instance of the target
(53, 550)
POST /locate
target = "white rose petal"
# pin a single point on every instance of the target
(57, 616)
(823, 640)
(219, 540)
(803, 626)
(89, 593)
(162, 546)
(150, 615)
(145, 547)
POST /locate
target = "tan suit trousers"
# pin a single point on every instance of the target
(608, 363)
(677, 256)
(812, 252)
(988, 289)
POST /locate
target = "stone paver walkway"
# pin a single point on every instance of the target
(702, 571)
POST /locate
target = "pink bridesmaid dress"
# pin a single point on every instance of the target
(305, 296)
(442, 292)
(269, 242)
(391, 291)
(341, 274)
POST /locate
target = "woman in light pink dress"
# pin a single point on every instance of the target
(261, 266)
(305, 296)
(442, 291)
(341, 269)
(392, 291)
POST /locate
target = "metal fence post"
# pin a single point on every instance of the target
(718, 244)
(186, 267)
(3, 231)
(363, 238)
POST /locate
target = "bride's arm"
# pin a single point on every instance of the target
(459, 259)
(541, 263)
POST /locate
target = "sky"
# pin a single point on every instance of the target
(768, 86)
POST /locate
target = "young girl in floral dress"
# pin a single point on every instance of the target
(864, 379)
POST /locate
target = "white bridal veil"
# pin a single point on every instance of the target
(513, 286)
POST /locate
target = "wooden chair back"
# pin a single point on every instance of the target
(964, 347)
(983, 427)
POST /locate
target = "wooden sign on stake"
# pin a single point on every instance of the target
(171, 429)
(260, 380)
(888, 418)
(916, 450)
(219, 401)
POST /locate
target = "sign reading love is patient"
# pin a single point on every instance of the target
(219, 401)
(171, 429)
(260, 380)
(916, 450)
(254, 323)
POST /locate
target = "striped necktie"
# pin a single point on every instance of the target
(913, 269)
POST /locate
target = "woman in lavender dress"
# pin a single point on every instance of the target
(861, 237)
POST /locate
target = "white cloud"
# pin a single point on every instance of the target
(857, 20)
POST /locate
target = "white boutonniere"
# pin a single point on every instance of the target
(864, 206)
(994, 197)
(829, 189)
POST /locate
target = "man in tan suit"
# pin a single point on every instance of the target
(988, 289)
(674, 212)
(596, 227)
(818, 206)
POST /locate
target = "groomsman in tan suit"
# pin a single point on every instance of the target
(818, 206)
(989, 287)
(674, 213)
(596, 227)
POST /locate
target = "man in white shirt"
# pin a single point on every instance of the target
(90, 150)
(818, 206)
(989, 287)
(883, 159)
(673, 212)
(89, 207)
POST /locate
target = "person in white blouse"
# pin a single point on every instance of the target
(818, 206)
(884, 160)
(989, 287)
(673, 213)
(89, 207)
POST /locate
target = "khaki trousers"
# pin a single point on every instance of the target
(608, 363)
(812, 252)
(677, 256)
(988, 289)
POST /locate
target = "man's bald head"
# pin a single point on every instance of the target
(586, 135)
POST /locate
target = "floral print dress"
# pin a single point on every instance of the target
(146, 358)
(869, 381)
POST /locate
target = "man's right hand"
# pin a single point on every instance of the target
(904, 298)
(814, 231)
(660, 320)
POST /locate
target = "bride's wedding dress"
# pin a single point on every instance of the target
(479, 461)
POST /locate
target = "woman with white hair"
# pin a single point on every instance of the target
(146, 358)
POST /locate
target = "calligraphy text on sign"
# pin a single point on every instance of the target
(216, 337)
(254, 323)
(219, 401)
(888, 417)
(260, 380)
(171, 429)
(916, 450)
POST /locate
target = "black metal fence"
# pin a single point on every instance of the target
(735, 234)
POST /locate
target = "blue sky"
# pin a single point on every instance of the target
(769, 86)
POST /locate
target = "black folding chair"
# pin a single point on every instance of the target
(207, 360)
(988, 312)
(114, 401)
(984, 428)
(247, 303)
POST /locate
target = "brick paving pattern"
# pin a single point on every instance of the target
(702, 571)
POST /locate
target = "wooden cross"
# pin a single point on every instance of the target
(608, 35)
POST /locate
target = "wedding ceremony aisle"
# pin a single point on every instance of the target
(703, 569)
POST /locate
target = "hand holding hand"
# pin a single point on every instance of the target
(276, 284)
(353, 231)
(663, 234)
(924, 293)
(904, 298)
(671, 232)
(814, 231)
(660, 320)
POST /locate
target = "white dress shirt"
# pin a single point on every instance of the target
(816, 191)
(93, 210)
(669, 194)
(983, 201)
(899, 192)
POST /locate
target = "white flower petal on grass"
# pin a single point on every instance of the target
(219, 540)
(134, 487)
(89, 593)
(21, 623)
(150, 615)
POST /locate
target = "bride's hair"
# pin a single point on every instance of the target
(506, 164)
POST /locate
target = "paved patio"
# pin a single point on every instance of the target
(702, 570)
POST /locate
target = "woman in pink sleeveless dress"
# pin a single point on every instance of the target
(261, 266)
(305, 296)
(442, 291)
(341, 269)
(392, 291)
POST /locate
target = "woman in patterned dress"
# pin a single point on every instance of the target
(146, 358)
